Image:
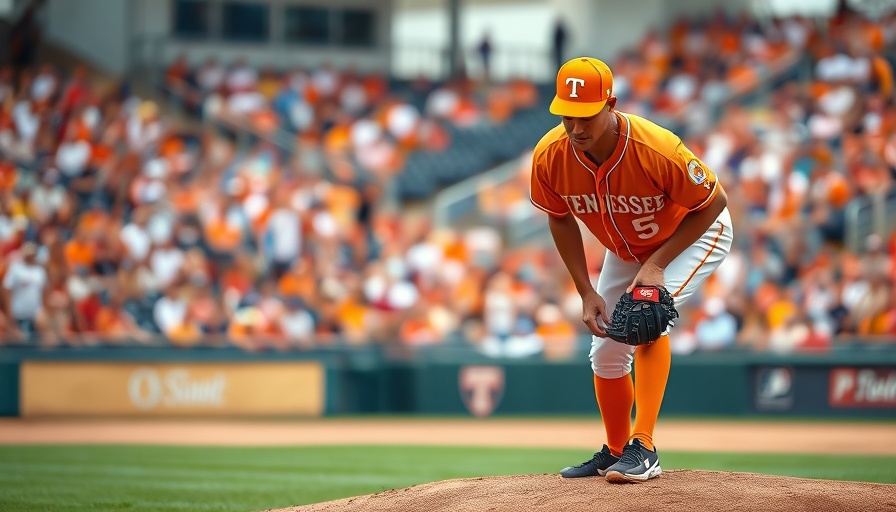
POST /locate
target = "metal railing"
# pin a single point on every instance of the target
(458, 200)
(458, 205)
(406, 61)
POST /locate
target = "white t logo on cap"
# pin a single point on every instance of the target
(575, 82)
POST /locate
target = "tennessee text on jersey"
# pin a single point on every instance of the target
(635, 200)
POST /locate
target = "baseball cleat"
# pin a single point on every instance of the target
(596, 466)
(637, 464)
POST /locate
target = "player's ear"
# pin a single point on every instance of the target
(611, 103)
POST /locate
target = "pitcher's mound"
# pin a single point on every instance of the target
(679, 490)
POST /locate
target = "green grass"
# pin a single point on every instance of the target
(168, 478)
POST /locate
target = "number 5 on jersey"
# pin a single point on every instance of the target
(645, 227)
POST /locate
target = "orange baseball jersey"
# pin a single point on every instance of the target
(636, 199)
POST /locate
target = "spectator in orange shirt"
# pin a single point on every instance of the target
(186, 333)
(298, 281)
(80, 251)
(417, 331)
(115, 324)
(222, 236)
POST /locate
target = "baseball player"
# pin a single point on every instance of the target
(663, 217)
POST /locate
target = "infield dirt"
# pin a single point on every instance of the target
(675, 490)
(678, 490)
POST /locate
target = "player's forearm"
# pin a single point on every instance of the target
(689, 231)
(568, 239)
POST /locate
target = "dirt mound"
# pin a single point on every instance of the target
(679, 490)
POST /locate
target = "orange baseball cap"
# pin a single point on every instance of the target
(583, 86)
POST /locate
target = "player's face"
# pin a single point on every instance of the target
(584, 132)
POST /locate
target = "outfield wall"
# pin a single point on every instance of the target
(223, 382)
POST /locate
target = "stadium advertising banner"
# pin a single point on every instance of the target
(863, 387)
(825, 390)
(193, 389)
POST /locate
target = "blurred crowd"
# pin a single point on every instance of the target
(360, 117)
(119, 225)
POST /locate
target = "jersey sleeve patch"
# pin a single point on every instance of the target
(696, 172)
(689, 182)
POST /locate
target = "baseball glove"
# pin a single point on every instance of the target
(642, 315)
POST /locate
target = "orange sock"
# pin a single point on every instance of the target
(615, 398)
(652, 364)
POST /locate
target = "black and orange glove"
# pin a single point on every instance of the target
(642, 315)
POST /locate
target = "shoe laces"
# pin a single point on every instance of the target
(592, 461)
(631, 454)
(595, 459)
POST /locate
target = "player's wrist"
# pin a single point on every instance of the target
(653, 267)
(585, 292)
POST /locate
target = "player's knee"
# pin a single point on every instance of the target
(611, 360)
(612, 370)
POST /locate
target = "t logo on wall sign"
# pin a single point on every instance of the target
(574, 82)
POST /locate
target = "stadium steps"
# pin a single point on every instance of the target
(474, 150)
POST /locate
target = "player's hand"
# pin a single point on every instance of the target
(594, 313)
(649, 275)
